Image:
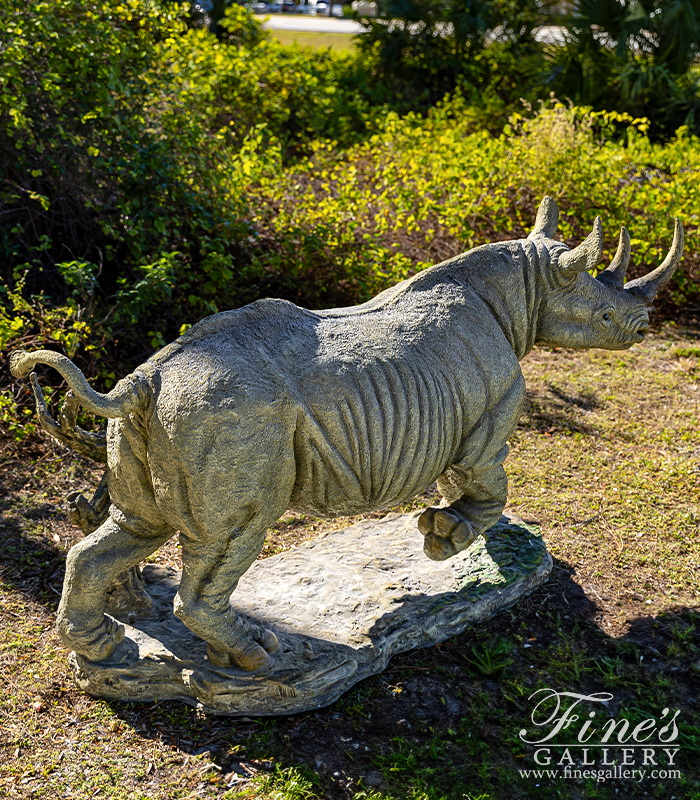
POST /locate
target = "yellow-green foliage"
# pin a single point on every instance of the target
(27, 323)
(154, 174)
(426, 188)
(31, 324)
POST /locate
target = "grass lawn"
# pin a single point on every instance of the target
(606, 459)
(336, 41)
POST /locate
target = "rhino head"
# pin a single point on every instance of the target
(578, 310)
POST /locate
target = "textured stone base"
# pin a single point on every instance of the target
(341, 606)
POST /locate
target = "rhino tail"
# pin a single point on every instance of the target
(130, 394)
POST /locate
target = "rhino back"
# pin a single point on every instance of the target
(375, 405)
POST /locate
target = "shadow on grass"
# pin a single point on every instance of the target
(442, 722)
(31, 564)
(586, 401)
(555, 412)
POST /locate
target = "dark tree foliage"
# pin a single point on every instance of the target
(634, 56)
(74, 85)
(426, 48)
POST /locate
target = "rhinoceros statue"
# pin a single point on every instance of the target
(272, 407)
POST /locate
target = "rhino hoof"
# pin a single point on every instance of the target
(254, 656)
(97, 644)
(438, 549)
(446, 533)
(270, 642)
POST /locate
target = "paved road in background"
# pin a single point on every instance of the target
(304, 22)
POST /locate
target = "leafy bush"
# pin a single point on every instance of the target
(425, 189)
(127, 143)
(154, 173)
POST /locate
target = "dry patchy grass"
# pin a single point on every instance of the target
(606, 459)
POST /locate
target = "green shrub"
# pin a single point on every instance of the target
(154, 174)
(425, 189)
(128, 141)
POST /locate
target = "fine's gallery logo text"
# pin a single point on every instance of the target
(572, 739)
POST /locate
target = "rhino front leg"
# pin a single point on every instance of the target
(476, 501)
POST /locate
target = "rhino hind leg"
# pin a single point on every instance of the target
(210, 575)
(127, 593)
(238, 483)
(91, 567)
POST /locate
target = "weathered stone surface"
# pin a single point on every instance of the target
(341, 606)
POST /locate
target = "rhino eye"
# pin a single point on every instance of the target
(607, 316)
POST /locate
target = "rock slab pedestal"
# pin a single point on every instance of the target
(341, 606)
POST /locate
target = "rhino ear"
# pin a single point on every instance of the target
(547, 219)
(586, 255)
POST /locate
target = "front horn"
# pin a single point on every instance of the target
(614, 275)
(646, 288)
(586, 255)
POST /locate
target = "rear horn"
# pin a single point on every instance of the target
(547, 219)
(614, 275)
